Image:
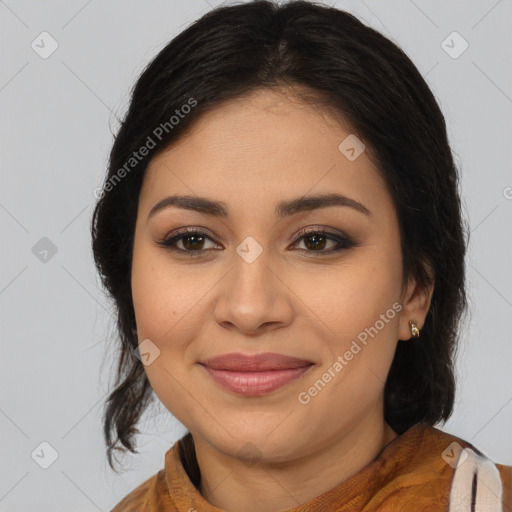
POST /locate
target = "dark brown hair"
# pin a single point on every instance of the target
(354, 72)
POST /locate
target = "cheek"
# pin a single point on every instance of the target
(167, 304)
(163, 296)
(159, 304)
(353, 296)
(363, 312)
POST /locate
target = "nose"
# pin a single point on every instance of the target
(253, 298)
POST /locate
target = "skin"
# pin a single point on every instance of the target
(252, 153)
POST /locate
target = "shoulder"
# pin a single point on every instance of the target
(150, 496)
(506, 478)
(167, 491)
(445, 471)
(478, 483)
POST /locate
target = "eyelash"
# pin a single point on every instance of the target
(343, 242)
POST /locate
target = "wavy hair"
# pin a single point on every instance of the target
(352, 71)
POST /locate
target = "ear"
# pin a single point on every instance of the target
(416, 303)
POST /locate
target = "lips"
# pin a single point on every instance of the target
(237, 362)
(253, 375)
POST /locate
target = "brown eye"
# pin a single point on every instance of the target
(316, 241)
(192, 243)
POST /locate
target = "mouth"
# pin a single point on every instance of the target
(254, 375)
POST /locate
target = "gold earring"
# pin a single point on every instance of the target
(415, 332)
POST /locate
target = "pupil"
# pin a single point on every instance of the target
(195, 238)
(317, 242)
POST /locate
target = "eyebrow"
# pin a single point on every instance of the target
(283, 209)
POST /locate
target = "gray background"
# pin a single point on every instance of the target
(56, 123)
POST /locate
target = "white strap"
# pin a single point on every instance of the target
(476, 478)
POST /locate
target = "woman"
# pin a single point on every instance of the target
(281, 232)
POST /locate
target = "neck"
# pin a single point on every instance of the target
(230, 484)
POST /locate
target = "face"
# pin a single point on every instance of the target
(316, 281)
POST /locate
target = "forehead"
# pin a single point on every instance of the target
(261, 148)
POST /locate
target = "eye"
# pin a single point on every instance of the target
(193, 242)
(315, 240)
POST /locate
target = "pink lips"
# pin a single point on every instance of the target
(253, 375)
